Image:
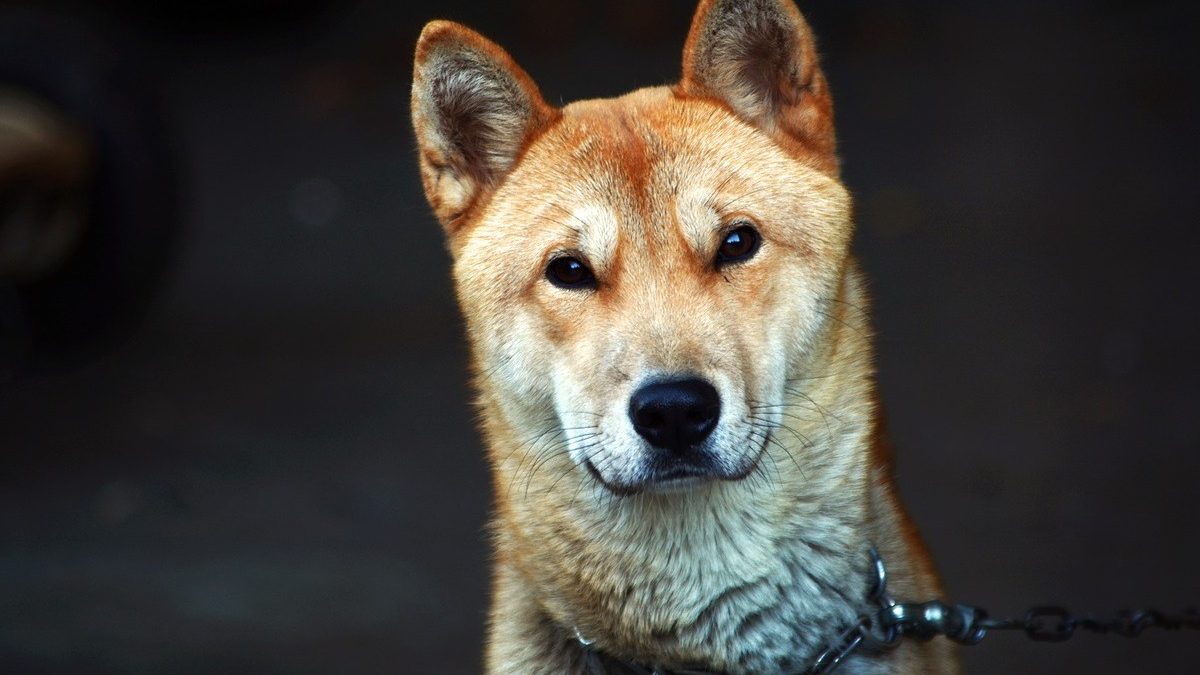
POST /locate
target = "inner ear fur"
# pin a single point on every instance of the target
(474, 111)
(759, 58)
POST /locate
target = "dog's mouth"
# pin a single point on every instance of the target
(678, 474)
(670, 480)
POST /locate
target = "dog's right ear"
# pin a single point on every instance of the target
(474, 111)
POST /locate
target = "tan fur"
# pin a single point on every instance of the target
(756, 569)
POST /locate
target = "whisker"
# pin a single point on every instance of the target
(733, 200)
(567, 471)
(570, 214)
(834, 317)
(761, 427)
(805, 441)
(782, 409)
(586, 441)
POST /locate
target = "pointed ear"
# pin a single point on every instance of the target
(474, 111)
(759, 58)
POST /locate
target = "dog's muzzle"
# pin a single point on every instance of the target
(675, 418)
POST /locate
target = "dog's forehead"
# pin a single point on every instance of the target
(649, 136)
(636, 160)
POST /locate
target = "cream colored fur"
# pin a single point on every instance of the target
(756, 569)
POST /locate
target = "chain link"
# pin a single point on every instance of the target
(968, 625)
(1056, 624)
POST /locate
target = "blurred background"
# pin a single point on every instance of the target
(233, 420)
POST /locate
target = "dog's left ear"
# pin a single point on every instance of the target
(759, 58)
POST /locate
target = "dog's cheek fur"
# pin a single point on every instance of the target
(501, 330)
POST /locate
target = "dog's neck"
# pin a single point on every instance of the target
(714, 581)
(809, 639)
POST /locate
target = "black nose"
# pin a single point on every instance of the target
(675, 414)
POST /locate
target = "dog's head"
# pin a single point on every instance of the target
(642, 277)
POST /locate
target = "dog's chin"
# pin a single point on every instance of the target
(673, 478)
(673, 485)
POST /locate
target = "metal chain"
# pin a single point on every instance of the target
(867, 631)
(1056, 624)
(968, 625)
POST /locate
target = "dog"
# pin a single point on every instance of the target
(673, 358)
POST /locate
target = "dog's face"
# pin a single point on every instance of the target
(642, 277)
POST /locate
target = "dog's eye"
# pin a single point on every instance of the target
(741, 243)
(570, 273)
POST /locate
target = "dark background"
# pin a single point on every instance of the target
(276, 470)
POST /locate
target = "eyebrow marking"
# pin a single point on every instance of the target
(572, 215)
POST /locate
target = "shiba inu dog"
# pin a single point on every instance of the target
(672, 356)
